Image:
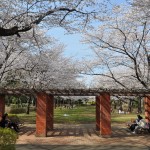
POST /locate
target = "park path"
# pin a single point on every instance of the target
(81, 136)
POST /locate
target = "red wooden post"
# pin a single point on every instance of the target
(105, 114)
(50, 113)
(44, 114)
(98, 113)
(2, 105)
(147, 108)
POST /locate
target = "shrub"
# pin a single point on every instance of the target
(8, 139)
(17, 110)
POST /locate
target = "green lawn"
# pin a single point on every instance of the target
(82, 114)
(122, 118)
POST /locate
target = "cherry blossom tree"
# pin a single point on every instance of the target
(31, 60)
(15, 52)
(21, 16)
(35, 62)
(142, 6)
(52, 70)
(121, 46)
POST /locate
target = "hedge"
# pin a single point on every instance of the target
(17, 110)
(8, 139)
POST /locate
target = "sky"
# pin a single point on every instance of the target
(74, 47)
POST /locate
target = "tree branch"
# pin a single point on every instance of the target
(16, 29)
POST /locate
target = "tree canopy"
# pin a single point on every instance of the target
(121, 46)
(36, 62)
(19, 16)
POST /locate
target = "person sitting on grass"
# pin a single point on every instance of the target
(135, 123)
(6, 123)
(140, 124)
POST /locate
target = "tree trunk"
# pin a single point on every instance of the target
(130, 106)
(139, 106)
(120, 105)
(18, 102)
(34, 101)
(115, 105)
(28, 105)
(21, 103)
(8, 100)
(55, 103)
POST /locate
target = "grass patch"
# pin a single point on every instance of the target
(82, 114)
(28, 118)
(122, 118)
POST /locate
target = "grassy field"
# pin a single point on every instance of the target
(82, 114)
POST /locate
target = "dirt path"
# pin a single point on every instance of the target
(83, 136)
